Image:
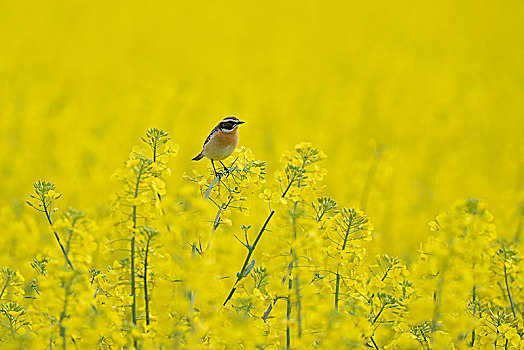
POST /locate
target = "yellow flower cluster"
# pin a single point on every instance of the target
(416, 103)
(232, 261)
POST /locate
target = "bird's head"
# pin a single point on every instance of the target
(229, 124)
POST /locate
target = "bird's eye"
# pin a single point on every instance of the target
(227, 125)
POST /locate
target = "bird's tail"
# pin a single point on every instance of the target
(200, 156)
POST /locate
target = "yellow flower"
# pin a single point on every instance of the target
(302, 146)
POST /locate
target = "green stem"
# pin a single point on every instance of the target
(246, 261)
(68, 243)
(270, 307)
(133, 285)
(509, 294)
(62, 317)
(133, 282)
(374, 344)
(293, 179)
(436, 301)
(48, 215)
(154, 147)
(146, 295)
(337, 287)
(5, 287)
(154, 150)
(70, 236)
(474, 295)
(288, 317)
(346, 235)
(290, 288)
(337, 290)
(299, 305)
(425, 339)
(288, 186)
(379, 313)
(63, 335)
(292, 265)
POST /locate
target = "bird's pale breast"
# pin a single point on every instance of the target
(221, 145)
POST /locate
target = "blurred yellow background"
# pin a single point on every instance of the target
(440, 85)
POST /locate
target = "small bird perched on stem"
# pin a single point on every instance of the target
(221, 142)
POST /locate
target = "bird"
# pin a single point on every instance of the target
(221, 141)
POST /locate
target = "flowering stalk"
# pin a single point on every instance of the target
(148, 234)
(136, 205)
(295, 172)
(45, 194)
(140, 171)
(157, 138)
(348, 222)
(292, 264)
(229, 189)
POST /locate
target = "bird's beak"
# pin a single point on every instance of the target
(240, 122)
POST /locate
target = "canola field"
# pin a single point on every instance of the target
(375, 199)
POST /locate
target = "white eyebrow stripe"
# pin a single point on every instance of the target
(233, 119)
